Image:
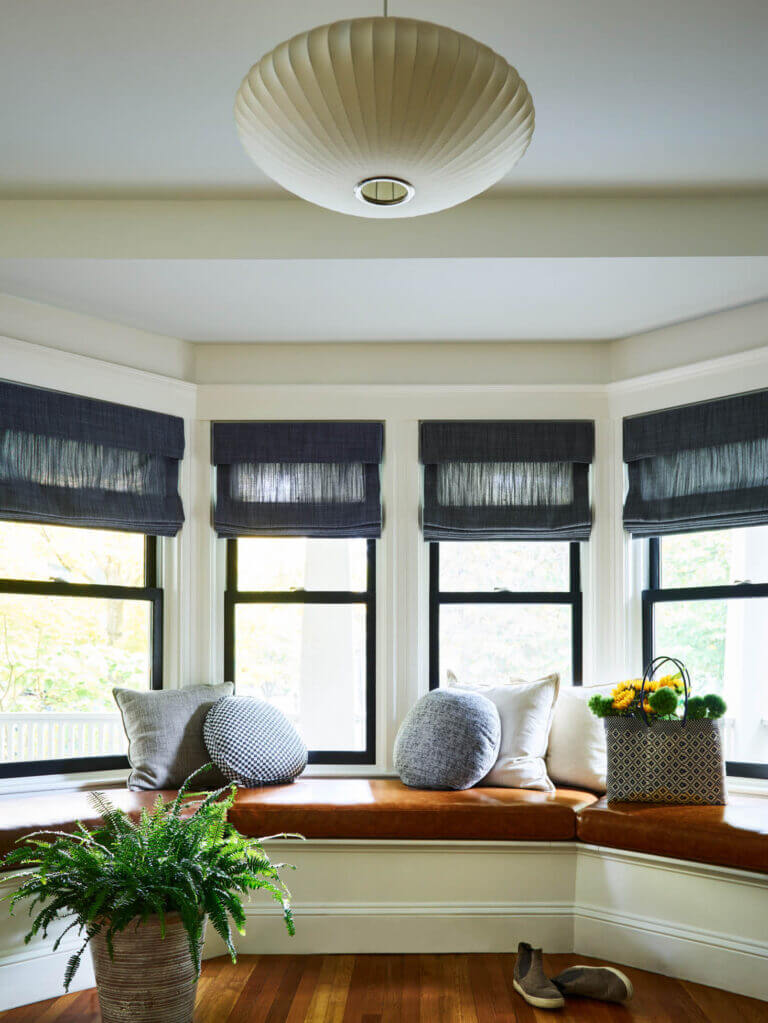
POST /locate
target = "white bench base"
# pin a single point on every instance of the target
(687, 920)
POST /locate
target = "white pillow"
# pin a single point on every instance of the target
(525, 709)
(576, 754)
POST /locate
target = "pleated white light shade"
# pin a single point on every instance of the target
(436, 114)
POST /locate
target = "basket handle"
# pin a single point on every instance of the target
(651, 668)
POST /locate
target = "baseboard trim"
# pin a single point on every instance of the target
(663, 928)
(702, 957)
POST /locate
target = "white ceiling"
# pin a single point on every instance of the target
(108, 97)
(403, 300)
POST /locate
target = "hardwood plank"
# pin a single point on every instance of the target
(370, 989)
(330, 998)
(410, 989)
(220, 996)
(408, 998)
(257, 996)
(302, 999)
(493, 1002)
(458, 988)
(722, 1005)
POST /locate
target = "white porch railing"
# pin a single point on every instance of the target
(52, 736)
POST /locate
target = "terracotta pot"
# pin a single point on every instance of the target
(151, 979)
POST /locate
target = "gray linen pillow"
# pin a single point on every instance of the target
(165, 734)
(449, 740)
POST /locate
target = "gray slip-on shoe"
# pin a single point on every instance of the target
(603, 982)
(530, 981)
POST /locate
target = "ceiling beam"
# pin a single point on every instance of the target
(291, 229)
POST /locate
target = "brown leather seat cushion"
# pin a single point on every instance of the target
(385, 808)
(735, 835)
(59, 811)
(337, 808)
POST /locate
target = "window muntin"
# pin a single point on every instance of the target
(500, 630)
(717, 628)
(300, 632)
(68, 641)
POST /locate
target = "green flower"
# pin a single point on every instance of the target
(696, 708)
(601, 706)
(664, 701)
(715, 705)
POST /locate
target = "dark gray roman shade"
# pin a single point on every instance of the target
(298, 479)
(507, 480)
(702, 466)
(81, 462)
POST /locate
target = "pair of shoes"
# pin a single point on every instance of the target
(603, 982)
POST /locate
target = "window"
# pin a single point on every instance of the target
(707, 603)
(80, 612)
(504, 609)
(300, 632)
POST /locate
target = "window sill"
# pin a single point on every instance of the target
(85, 780)
(117, 779)
(80, 781)
(751, 786)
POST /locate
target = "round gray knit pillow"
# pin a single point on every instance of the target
(253, 743)
(449, 740)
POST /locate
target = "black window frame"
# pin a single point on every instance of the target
(234, 596)
(655, 593)
(571, 596)
(149, 592)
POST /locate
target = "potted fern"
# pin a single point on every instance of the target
(140, 893)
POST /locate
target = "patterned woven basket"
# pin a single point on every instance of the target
(665, 761)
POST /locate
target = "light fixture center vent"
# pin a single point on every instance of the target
(384, 191)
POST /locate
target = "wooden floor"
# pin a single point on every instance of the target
(408, 989)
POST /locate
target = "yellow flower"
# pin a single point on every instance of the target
(623, 699)
(623, 687)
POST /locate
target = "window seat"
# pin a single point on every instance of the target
(338, 808)
(385, 808)
(735, 835)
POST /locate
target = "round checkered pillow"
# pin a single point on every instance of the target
(253, 743)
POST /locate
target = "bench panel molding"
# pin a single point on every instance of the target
(688, 920)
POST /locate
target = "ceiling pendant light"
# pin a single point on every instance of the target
(384, 117)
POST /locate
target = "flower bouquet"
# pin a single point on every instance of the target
(664, 745)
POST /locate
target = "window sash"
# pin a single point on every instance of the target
(657, 594)
(572, 597)
(234, 596)
(152, 594)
